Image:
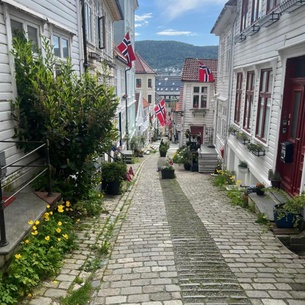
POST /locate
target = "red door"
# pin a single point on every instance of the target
(293, 131)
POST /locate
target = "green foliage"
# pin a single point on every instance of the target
(79, 297)
(40, 256)
(224, 177)
(182, 155)
(166, 54)
(112, 171)
(236, 197)
(243, 164)
(262, 218)
(74, 113)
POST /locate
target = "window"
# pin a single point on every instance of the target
(21, 27)
(249, 100)
(244, 15)
(149, 98)
(138, 83)
(239, 83)
(256, 10)
(101, 32)
(89, 25)
(271, 4)
(149, 83)
(264, 103)
(200, 97)
(61, 46)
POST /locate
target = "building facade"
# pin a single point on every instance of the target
(266, 89)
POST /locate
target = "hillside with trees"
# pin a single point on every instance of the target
(164, 55)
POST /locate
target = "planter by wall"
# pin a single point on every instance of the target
(168, 173)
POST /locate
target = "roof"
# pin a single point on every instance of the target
(168, 84)
(142, 67)
(190, 71)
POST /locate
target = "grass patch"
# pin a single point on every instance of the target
(79, 297)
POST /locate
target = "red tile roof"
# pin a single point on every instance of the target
(142, 67)
(190, 71)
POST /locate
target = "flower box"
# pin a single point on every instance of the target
(167, 173)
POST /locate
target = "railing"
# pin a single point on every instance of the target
(46, 168)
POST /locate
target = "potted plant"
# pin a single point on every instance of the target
(256, 149)
(260, 188)
(113, 173)
(183, 156)
(243, 166)
(275, 178)
(232, 130)
(288, 214)
(242, 137)
(168, 170)
(163, 148)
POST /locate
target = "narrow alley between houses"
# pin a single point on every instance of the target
(178, 242)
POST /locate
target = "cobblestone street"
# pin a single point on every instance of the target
(180, 242)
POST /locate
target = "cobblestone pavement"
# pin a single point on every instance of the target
(180, 242)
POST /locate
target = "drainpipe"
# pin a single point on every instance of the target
(126, 110)
(84, 34)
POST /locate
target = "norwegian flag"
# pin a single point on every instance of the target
(125, 48)
(205, 74)
(160, 112)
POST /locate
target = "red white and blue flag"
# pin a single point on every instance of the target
(125, 48)
(161, 112)
(205, 74)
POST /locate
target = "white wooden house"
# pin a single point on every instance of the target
(198, 101)
(145, 86)
(266, 93)
(56, 20)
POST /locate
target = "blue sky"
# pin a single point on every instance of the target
(188, 21)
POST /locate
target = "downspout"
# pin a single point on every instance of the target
(84, 35)
(230, 88)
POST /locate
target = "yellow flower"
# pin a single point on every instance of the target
(30, 222)
(47, 237)
(48, 206)
(34, 228)
(59, 239)
(34, 233)
(51, 213)
(27, 241)
(60, 208)
(78, 220)
(68, 203)
(65, 236)
(17, 256)
(30, 295)
(55, 282)
(58, 230)
(238, 182)
(59, 223)
(37, 222)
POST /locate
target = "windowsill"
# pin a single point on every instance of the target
(199, 109)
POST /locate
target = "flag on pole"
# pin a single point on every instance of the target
(205, 74)
(125, 48)
(160, 112)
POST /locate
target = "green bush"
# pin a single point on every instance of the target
(75, 113)
(40, 255)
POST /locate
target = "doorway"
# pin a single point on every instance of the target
(292, 132)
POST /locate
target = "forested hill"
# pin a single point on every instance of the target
(171, 54)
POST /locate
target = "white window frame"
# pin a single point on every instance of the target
(202, 93)
(62, 37)
(25, 24)
(89, 22)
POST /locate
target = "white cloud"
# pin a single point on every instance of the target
(171, 32)
(174, 8)
(142, 18)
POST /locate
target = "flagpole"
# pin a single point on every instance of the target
(126, 110)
